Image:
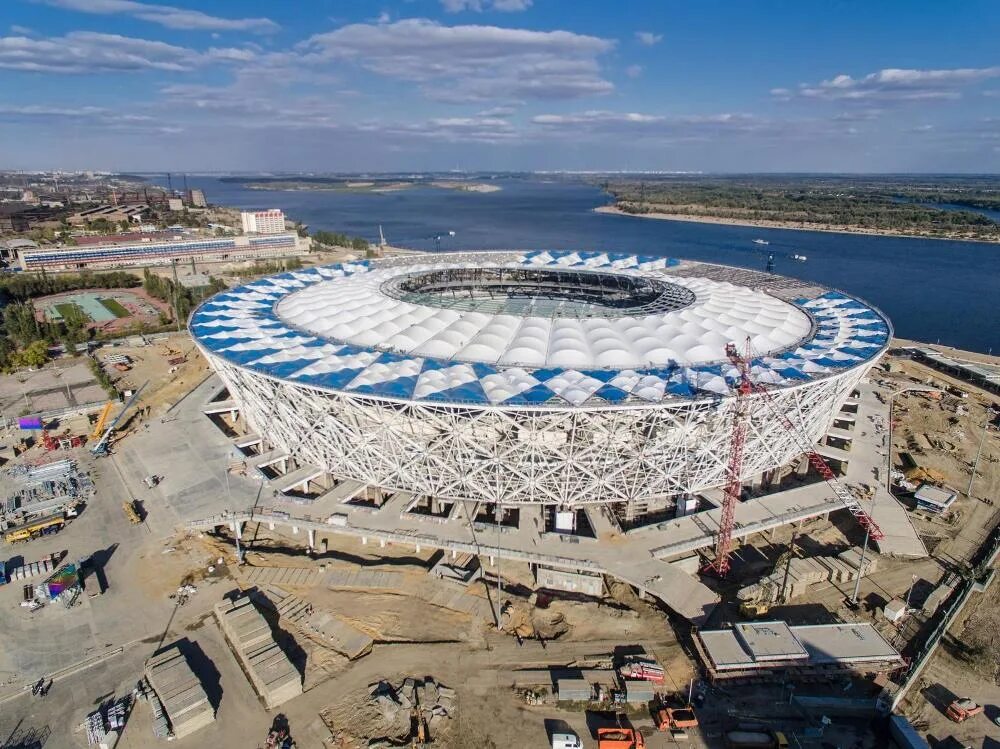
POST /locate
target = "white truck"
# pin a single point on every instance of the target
(566, 741)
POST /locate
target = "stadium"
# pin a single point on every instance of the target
(562, 379)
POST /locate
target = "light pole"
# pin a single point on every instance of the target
(437, 239)
(979, 454)
(861, 567)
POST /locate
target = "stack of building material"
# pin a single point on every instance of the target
(802, 572)
(271, 673)
(35, 568)
(793, 580)
(179, 691)
(852, 557)
(334, 633)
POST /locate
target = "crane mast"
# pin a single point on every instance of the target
(734, 485)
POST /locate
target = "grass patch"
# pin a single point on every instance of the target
(115, 308)
(69, 310)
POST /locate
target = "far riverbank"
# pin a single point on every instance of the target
(795, 226)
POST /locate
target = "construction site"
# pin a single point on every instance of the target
(204, 575)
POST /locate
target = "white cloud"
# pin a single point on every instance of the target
(633, 71)
(167, 15)
(478, 6)
(470, 63)
(79, 118)
(497, 112)
(648, 38)
(892, 84)
(603, 125)
(93, 52)
(23, 30)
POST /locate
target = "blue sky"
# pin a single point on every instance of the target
(349, 85)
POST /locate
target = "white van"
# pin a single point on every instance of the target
(566, 741)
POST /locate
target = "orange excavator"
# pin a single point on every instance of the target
(619, 738)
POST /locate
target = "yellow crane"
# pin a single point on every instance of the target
(99, 426)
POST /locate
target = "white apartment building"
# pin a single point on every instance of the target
(263, 222)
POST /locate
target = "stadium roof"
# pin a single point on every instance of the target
(537, 328)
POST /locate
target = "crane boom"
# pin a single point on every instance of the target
(101, 447)
(842, 493)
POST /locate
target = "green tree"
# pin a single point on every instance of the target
(33, 355)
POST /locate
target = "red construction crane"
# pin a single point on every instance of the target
(734, 484)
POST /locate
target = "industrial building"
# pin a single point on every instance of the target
(204, 249)
(263, 222)
(748, 649)
(113, 213)
(15, 217)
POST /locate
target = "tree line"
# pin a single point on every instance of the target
(25, 339)
(336, 239)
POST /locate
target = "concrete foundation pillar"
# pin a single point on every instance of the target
(381, 543)
(312, 538)
(238, 530)
(295, 530)
(418, 548)
(803, 466)
(364, 540)
(323, 546)
(492, 560)
(454, 553)
(270, 526)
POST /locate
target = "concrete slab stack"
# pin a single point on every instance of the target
(179, 691)
(852, 557)
(271, 673)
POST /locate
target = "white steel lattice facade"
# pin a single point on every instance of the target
(407, 403)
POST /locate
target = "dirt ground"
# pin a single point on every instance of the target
(414, 637)
(966, 665)
(150, 364)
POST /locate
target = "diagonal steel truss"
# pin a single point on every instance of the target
(511, 455)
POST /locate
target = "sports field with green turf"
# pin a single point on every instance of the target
(114, 307)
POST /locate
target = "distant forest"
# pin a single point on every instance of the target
(905, 205)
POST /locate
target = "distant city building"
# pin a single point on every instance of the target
(197, 199)
(164, 253)
(11, 248)
(263, 222)
(175, 204)
(150, 235)
(16, 216)
(112, 213)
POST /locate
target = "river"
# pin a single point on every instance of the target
(934, 290)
